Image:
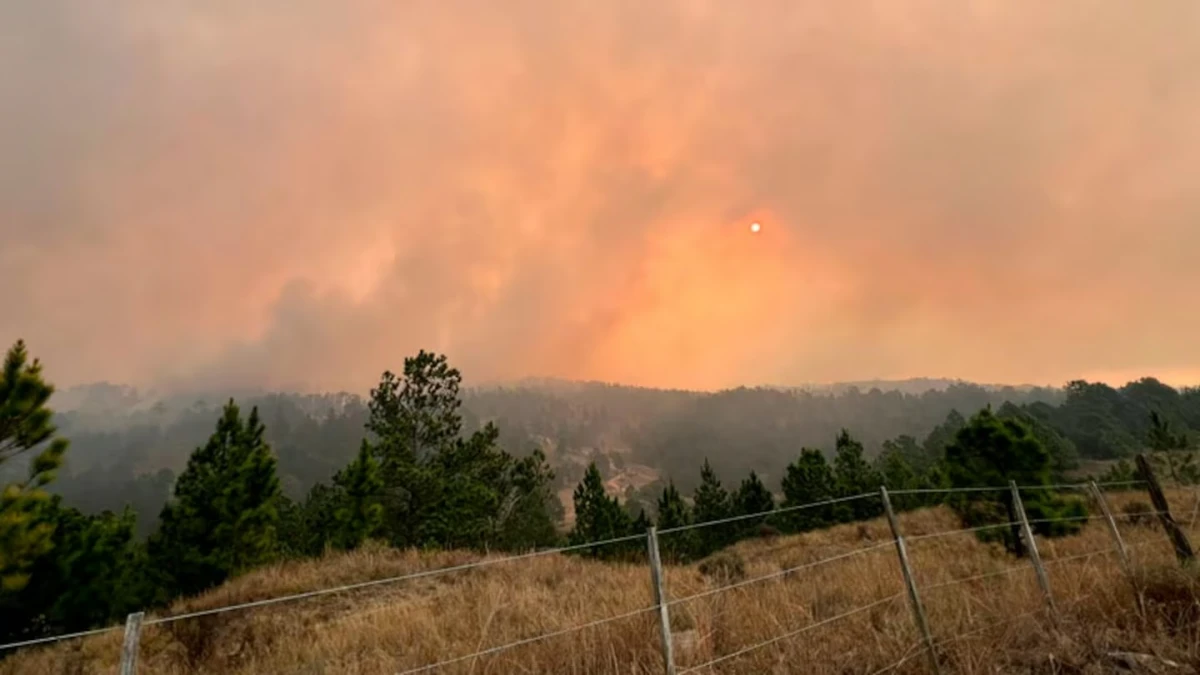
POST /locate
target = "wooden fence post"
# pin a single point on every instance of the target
(660, 599)
(1183, 547)
(1031, 546)
(914, 599)
(129, 649)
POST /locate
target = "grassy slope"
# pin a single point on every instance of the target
(394, 627)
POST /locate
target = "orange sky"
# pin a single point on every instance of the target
(299, 193)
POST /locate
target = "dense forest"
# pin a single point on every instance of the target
(124, 503)
(128, 447)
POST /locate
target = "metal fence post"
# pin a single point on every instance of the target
(1183, 547)
(1034, 556)
(660, 599)
(129, 649)
(1112, 527)
(914, 598)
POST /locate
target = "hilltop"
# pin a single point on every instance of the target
(995, 621)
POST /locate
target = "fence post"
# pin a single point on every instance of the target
(660, 599)
(914, 599)
(1122, 551)
(1183, 547)
(1031, 545)
(129, 649)
(1112, 527)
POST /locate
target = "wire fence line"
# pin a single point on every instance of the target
(979, 577)
(528, 641)
(764, 514)
(666, 603)
(780, 573)
(792, 634)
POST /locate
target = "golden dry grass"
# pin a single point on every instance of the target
(990, 625)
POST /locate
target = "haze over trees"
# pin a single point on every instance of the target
(422, 463)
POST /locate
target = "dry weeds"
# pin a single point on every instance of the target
(996, 623)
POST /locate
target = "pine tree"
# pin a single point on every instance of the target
(855, 476)
(990, 451)
(753, 497)
(808, 480)
(25, 423)
(711, 502)
(674, 513)
(1172, 450)
(440, 489)
(598, 517)
(223, 518)
(530, 509)
(359, 514)
(87, 579)
(898, 474)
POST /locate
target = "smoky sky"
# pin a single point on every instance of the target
(299, 194)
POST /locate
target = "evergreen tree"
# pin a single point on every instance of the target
(440, 488)
(530, 509)
(223, 518)
(419, 413)
(359, 513)
(674, 513)
(25, 424)
(1120, 472)
(855, 476)
(990, 452)
(809, 480)
(944, 434)
(92, 575)
(897, 474)
(752, 497)
(1172, 450)
(598, 517)
(711, 502)
(912, 452)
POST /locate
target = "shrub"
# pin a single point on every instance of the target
(725, 567)
(1139, 513)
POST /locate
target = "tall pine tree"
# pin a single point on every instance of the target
(598, 517)
(711, 502)
(359, 513)
(223, 518)
(855, 476)
(25, 424)
(809, 480)
(674, 513)
(753, 497)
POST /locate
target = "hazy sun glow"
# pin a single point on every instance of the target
(755, 227)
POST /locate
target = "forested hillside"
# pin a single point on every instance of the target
(156, 500)
(127, 447)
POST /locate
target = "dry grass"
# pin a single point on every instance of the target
(989, 625)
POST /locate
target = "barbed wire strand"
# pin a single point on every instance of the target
(780, 573)
(927, 491)
(979, 577)
(946, 533)
(909, 654)
(785, 636)
(1140, 514)
(761, 514)
(57, 638)
(526, 641)
(377, 582)
(1008, 620)
(1079, 556)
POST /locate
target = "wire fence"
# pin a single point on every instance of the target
(663, 604)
